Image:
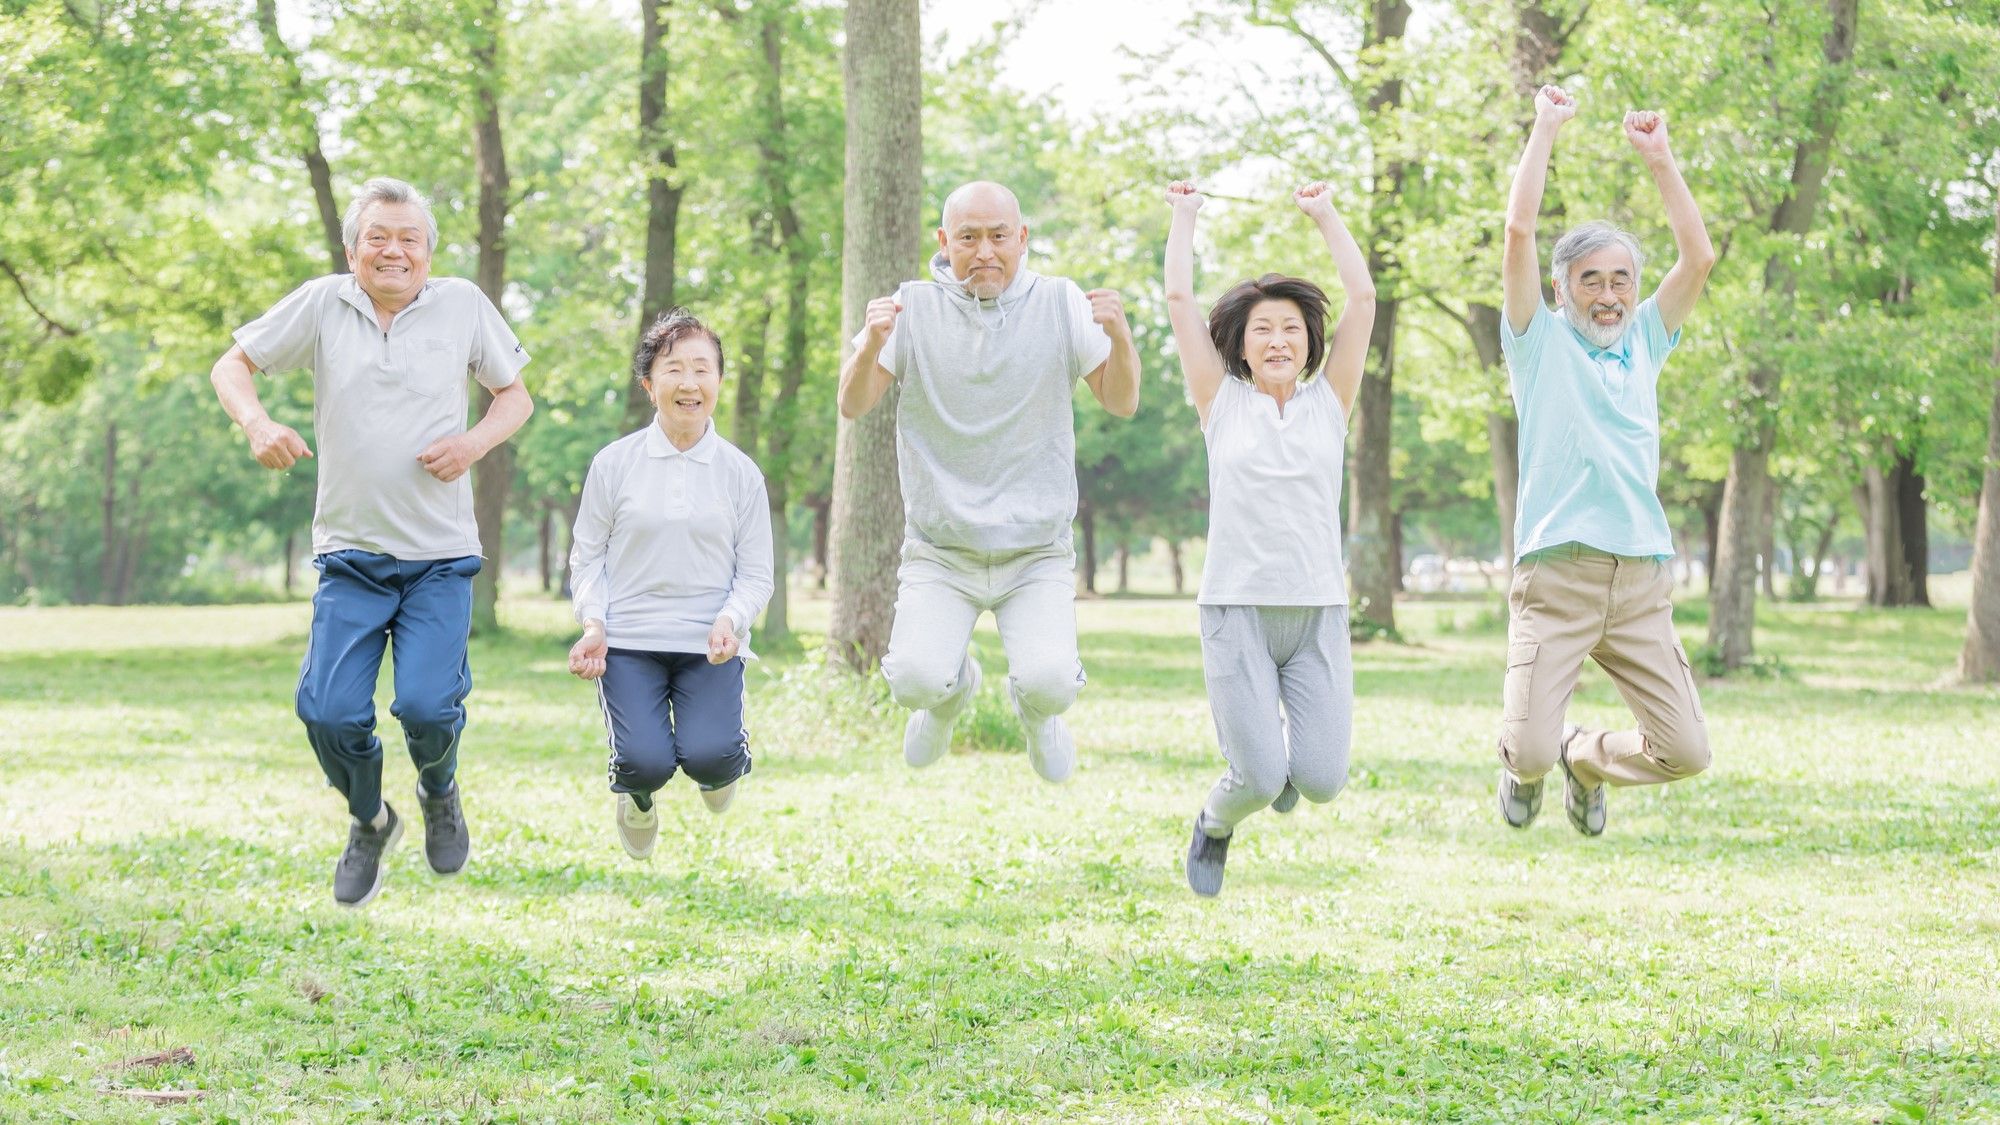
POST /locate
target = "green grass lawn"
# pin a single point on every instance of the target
(1808, 933)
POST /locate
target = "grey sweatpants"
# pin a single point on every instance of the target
(1257, 659)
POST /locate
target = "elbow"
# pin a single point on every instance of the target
(1362, 296)
(1177, 295)
(847, 410)
(1520, 230)
(1702, 258)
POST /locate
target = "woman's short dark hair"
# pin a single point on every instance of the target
(673, 326)
(1230, 317)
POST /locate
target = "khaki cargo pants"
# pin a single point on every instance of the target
(1572, 602)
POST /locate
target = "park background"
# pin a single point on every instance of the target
(1806, 934)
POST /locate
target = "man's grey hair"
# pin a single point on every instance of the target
(382, 189)
(1586, 239)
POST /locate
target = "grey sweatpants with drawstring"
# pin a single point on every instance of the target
(1259, 660)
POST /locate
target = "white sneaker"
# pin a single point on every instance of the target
(927, 735)
(637, 827)
(718, 799)
(1051, 750)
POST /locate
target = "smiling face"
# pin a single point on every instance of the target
(1275, 341)
(685, 382)
(983, 237)
(1597, 294)
(391, 256)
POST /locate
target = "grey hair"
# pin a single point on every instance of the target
(382, 189)
(1586, 239)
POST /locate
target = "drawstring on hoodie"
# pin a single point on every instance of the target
(1024, 279)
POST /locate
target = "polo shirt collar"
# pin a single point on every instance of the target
(353, 294)
(1620, 349)
(703, 451)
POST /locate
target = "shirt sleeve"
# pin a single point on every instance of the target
(1089, 345)
(590, 541)
(1524, 352)
(750, 587)
(1658, 342)
(496, 355)
(286, 337)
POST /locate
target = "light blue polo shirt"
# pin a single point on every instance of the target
(1589, 435)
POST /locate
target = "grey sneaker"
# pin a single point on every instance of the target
(1585, 804)
(1519, 800)
(927, 735)
(1287, 799)
(637, 827)
(1205, 857)
(357, 878)
(719, 799)
(447, 845)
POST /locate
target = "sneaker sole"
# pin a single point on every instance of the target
(381, 869)
(619, 827)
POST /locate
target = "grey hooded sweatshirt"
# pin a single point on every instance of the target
(985, 438)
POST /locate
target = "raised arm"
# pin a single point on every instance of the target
(863, 379)
(1349, 349)
(1695, 255)
(1201, 364)
(1520, 261)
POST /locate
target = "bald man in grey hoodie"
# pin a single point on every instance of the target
(987, 356)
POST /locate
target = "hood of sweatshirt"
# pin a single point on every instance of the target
(974, 307)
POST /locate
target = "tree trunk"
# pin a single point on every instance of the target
(291, 557)
(773, 152)
(883, 215)
(1732, 616)
(663, 190)
(1087, 564)
(493, 474)
(1897, 539)
(1767, 546)
(1124, 568)
(1174, 558)
(545, 542)
(822, 529)
(306, 130)
(1979, 660)
(107, 562)
(1371, 555)
(1711, 522)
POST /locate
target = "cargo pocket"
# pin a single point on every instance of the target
(1520, 684)
(1687, 678)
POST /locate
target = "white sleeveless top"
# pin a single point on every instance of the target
(1274, 497)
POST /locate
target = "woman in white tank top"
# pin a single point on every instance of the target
(1273, 590)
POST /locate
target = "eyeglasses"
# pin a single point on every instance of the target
(1619, 283)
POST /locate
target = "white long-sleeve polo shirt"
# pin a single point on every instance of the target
(667, 540)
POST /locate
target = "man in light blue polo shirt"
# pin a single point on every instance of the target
(1591, 576)
(389, 347)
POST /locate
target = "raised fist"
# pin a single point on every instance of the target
(1551, 104)
(881, 318)
(1107, 308)
(1315, 199)
(1183, 196)
(1647, 131)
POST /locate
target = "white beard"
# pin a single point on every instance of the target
(1599, 335)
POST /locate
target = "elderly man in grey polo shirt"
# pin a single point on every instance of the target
(389, 347)
(988, 355)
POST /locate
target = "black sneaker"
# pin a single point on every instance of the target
(358, 875)
(446, 843)
(1206, 855)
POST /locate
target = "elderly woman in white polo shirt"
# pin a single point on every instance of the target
(671, 563)
(1273, 595)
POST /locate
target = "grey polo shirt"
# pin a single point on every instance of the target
(379, 398)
